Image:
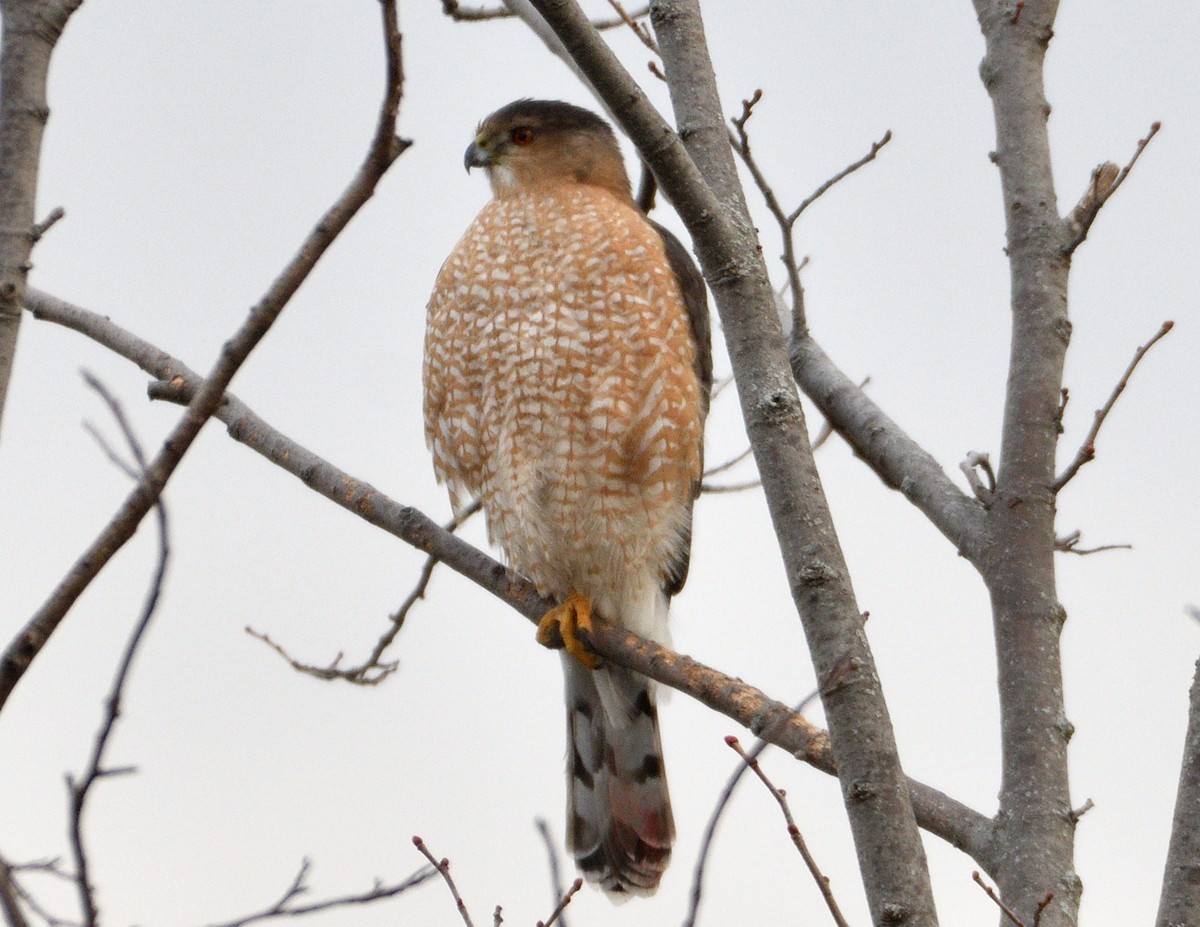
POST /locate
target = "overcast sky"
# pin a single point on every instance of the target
(194, 144)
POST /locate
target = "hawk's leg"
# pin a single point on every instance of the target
(564, 622)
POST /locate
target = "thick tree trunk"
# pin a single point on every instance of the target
(1035, 827)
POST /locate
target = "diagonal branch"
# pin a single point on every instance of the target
(10, 897)
(385, 147)
(1087, 450)
(286, 907)
(1180, 899)
(773, 721)
(1105, 181)
(793, 830)
(901, 463)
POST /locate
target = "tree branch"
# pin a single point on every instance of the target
(1180, 899)
(793, 830)
(10, 897)
(385, 147)
(777, 723)
(1035, 834)
(30, 32)
(901, 463)
(1087, 450)
(1105, 181)
(443, 867)
(285, 907)
(80, 789)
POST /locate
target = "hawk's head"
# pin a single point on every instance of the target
(533, 142)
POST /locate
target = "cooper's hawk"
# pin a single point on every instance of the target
(567, 374)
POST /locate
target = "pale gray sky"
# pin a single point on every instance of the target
(194, 144)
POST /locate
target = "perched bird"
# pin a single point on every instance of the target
(567, 375)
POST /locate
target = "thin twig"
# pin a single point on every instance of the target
(979, 460)
(729, 464)
(819, 877)
(730, 487)
(1105, 182)
(631, 20)
(1070, 545)
(740, 140)
(839, 176)
(10, 897)
(385, 147)
(46, 224)
(443, 866)
(23, 896)
(1087, 450)
(556, 884)
(714, 819)
(79, 789)
(374, 669)
(566, 900)
(285, 908)
(991, 893)
(460, 13)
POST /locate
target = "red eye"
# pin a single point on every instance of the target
(522, 135)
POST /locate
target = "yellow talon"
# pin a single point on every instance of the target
(561, 625)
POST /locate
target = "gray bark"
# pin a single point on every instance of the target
(31, 29)
(702, 184)
(1035, 826)
(1179, 905)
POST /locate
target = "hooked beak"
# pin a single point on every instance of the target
(476, 156)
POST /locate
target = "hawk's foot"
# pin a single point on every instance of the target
(561, 625)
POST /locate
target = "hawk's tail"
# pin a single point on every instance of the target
(619, 823)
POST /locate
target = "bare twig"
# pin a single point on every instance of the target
(1105, 181)
(460, 13)
(1070, 545)
(374, 669)
(839, 177)
(991, 893)
(16, 892)
(79, 789)
(1087, 450)
(46, 224)
(10, 897)
(443, 866)
(730, 487)
(1077, 813)
(556, 884)
(631, 20)
(723, 800)
(740, 140)
(979, 460)
(819, 877)
(285, 906)
(385, 147)
(729, 464)
(566, 900)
